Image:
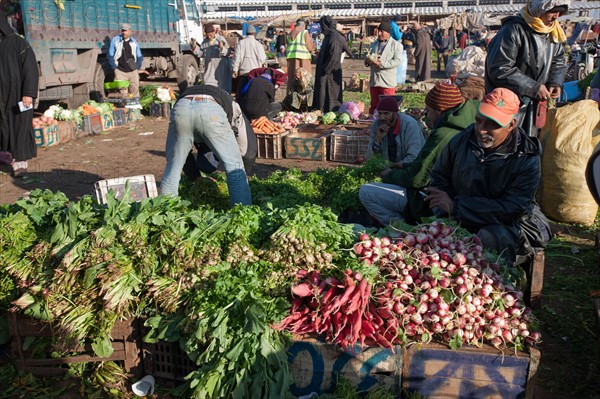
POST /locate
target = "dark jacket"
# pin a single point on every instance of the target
(416, 175)
(255, 101)
(522, 60)
(328, 73)
(495, 189)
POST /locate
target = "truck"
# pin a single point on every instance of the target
(71, 38)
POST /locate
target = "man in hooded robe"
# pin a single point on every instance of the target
(527, 57)
(18, 83)
(328, 74)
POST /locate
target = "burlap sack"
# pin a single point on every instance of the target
(568, 140)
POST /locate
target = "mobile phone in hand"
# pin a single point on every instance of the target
(423, 194)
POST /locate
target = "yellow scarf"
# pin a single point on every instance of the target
(557, 33)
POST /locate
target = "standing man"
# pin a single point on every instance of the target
(527, 57)
(408, 41)
(217, 67)
(249, 54)
(328, 74)
(18, 83)
(204, 114)
(422, 53)
(443, 45)
(300, 47)
(487, 176)
(125, 58)
(386, 55)
(397, 197)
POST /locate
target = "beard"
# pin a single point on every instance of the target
(485, 141)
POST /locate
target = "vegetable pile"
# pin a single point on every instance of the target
(431, 284)
(290, 120)
(265, 126)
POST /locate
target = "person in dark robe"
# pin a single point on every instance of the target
(422, 53)
(328, 74)
(18, 83)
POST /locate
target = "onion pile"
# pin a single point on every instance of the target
(43, 121)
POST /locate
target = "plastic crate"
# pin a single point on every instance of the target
(167, 360)
(92, 124)
(346, 146)
(119, 116)
(125, 341)
(160, 110)
(270, 146)
(143, 186)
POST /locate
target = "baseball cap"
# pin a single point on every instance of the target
(125, 27)
(500, 105)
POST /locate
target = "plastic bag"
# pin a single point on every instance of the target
(401, 70)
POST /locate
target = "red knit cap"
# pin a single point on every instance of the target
(444, 96)
(388, 103)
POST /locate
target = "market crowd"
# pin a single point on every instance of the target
(479, 164)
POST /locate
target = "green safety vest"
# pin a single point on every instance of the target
(297, 48)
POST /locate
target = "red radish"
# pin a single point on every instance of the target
(302, 290)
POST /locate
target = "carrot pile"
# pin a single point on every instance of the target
(264, 125)
(88, 109)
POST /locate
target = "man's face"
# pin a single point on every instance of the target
(382, 35)
(211, 35)
(549, 17)
(387, 117)
(126, 33)
(431, 116)
(489, 133)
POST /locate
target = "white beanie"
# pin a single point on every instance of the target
(537, 8)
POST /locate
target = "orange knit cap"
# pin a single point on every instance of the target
(443, 96)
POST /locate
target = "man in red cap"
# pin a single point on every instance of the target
(486, 179)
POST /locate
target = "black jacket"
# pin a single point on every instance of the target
(522, 60)
(497, 189)
(255, 102)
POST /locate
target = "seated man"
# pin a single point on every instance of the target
(487, 176)
(257, 97)
(300, 96)
(204, 114)
(398, 196)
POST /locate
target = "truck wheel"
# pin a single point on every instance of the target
(189, 69)
(100, 76)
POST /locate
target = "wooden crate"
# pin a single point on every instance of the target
(67, 131)
(125, 340)
(108, 120)
(92, 124)
(436, 371)
(315, 367)
(302, 145)
(270, 146)
(119, 116)
(346, 146)
(46, 136)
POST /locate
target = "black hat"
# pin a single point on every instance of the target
(386, 26)
(397, 18)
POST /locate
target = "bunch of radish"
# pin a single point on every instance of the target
(289, 120)
(43, 121)
(429, 285)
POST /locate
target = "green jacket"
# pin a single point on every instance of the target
(415, 175)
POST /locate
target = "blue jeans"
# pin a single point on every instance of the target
(204, 121)
(385, 202)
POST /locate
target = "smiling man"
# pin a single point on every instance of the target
(527, 56)
(486, 178)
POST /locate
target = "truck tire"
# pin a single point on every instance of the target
(189, 70)
(102, 74)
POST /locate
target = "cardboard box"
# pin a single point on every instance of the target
(92, 124)
(119, 116)
(67, 131)
(304, 145)
(46, 136)
(436, 372)
(270, 146)
(108, 121)
(315, 367)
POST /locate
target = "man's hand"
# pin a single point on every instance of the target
(555, 91)
(367, 62)
(27, 101)
(397, 165)
(382, 130)
(543, 93)
(385, 172)
(439, 199)
(377, 63)
(234, 75)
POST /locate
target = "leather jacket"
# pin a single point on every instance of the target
(522, 60)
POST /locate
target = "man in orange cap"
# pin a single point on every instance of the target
(486, 179)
